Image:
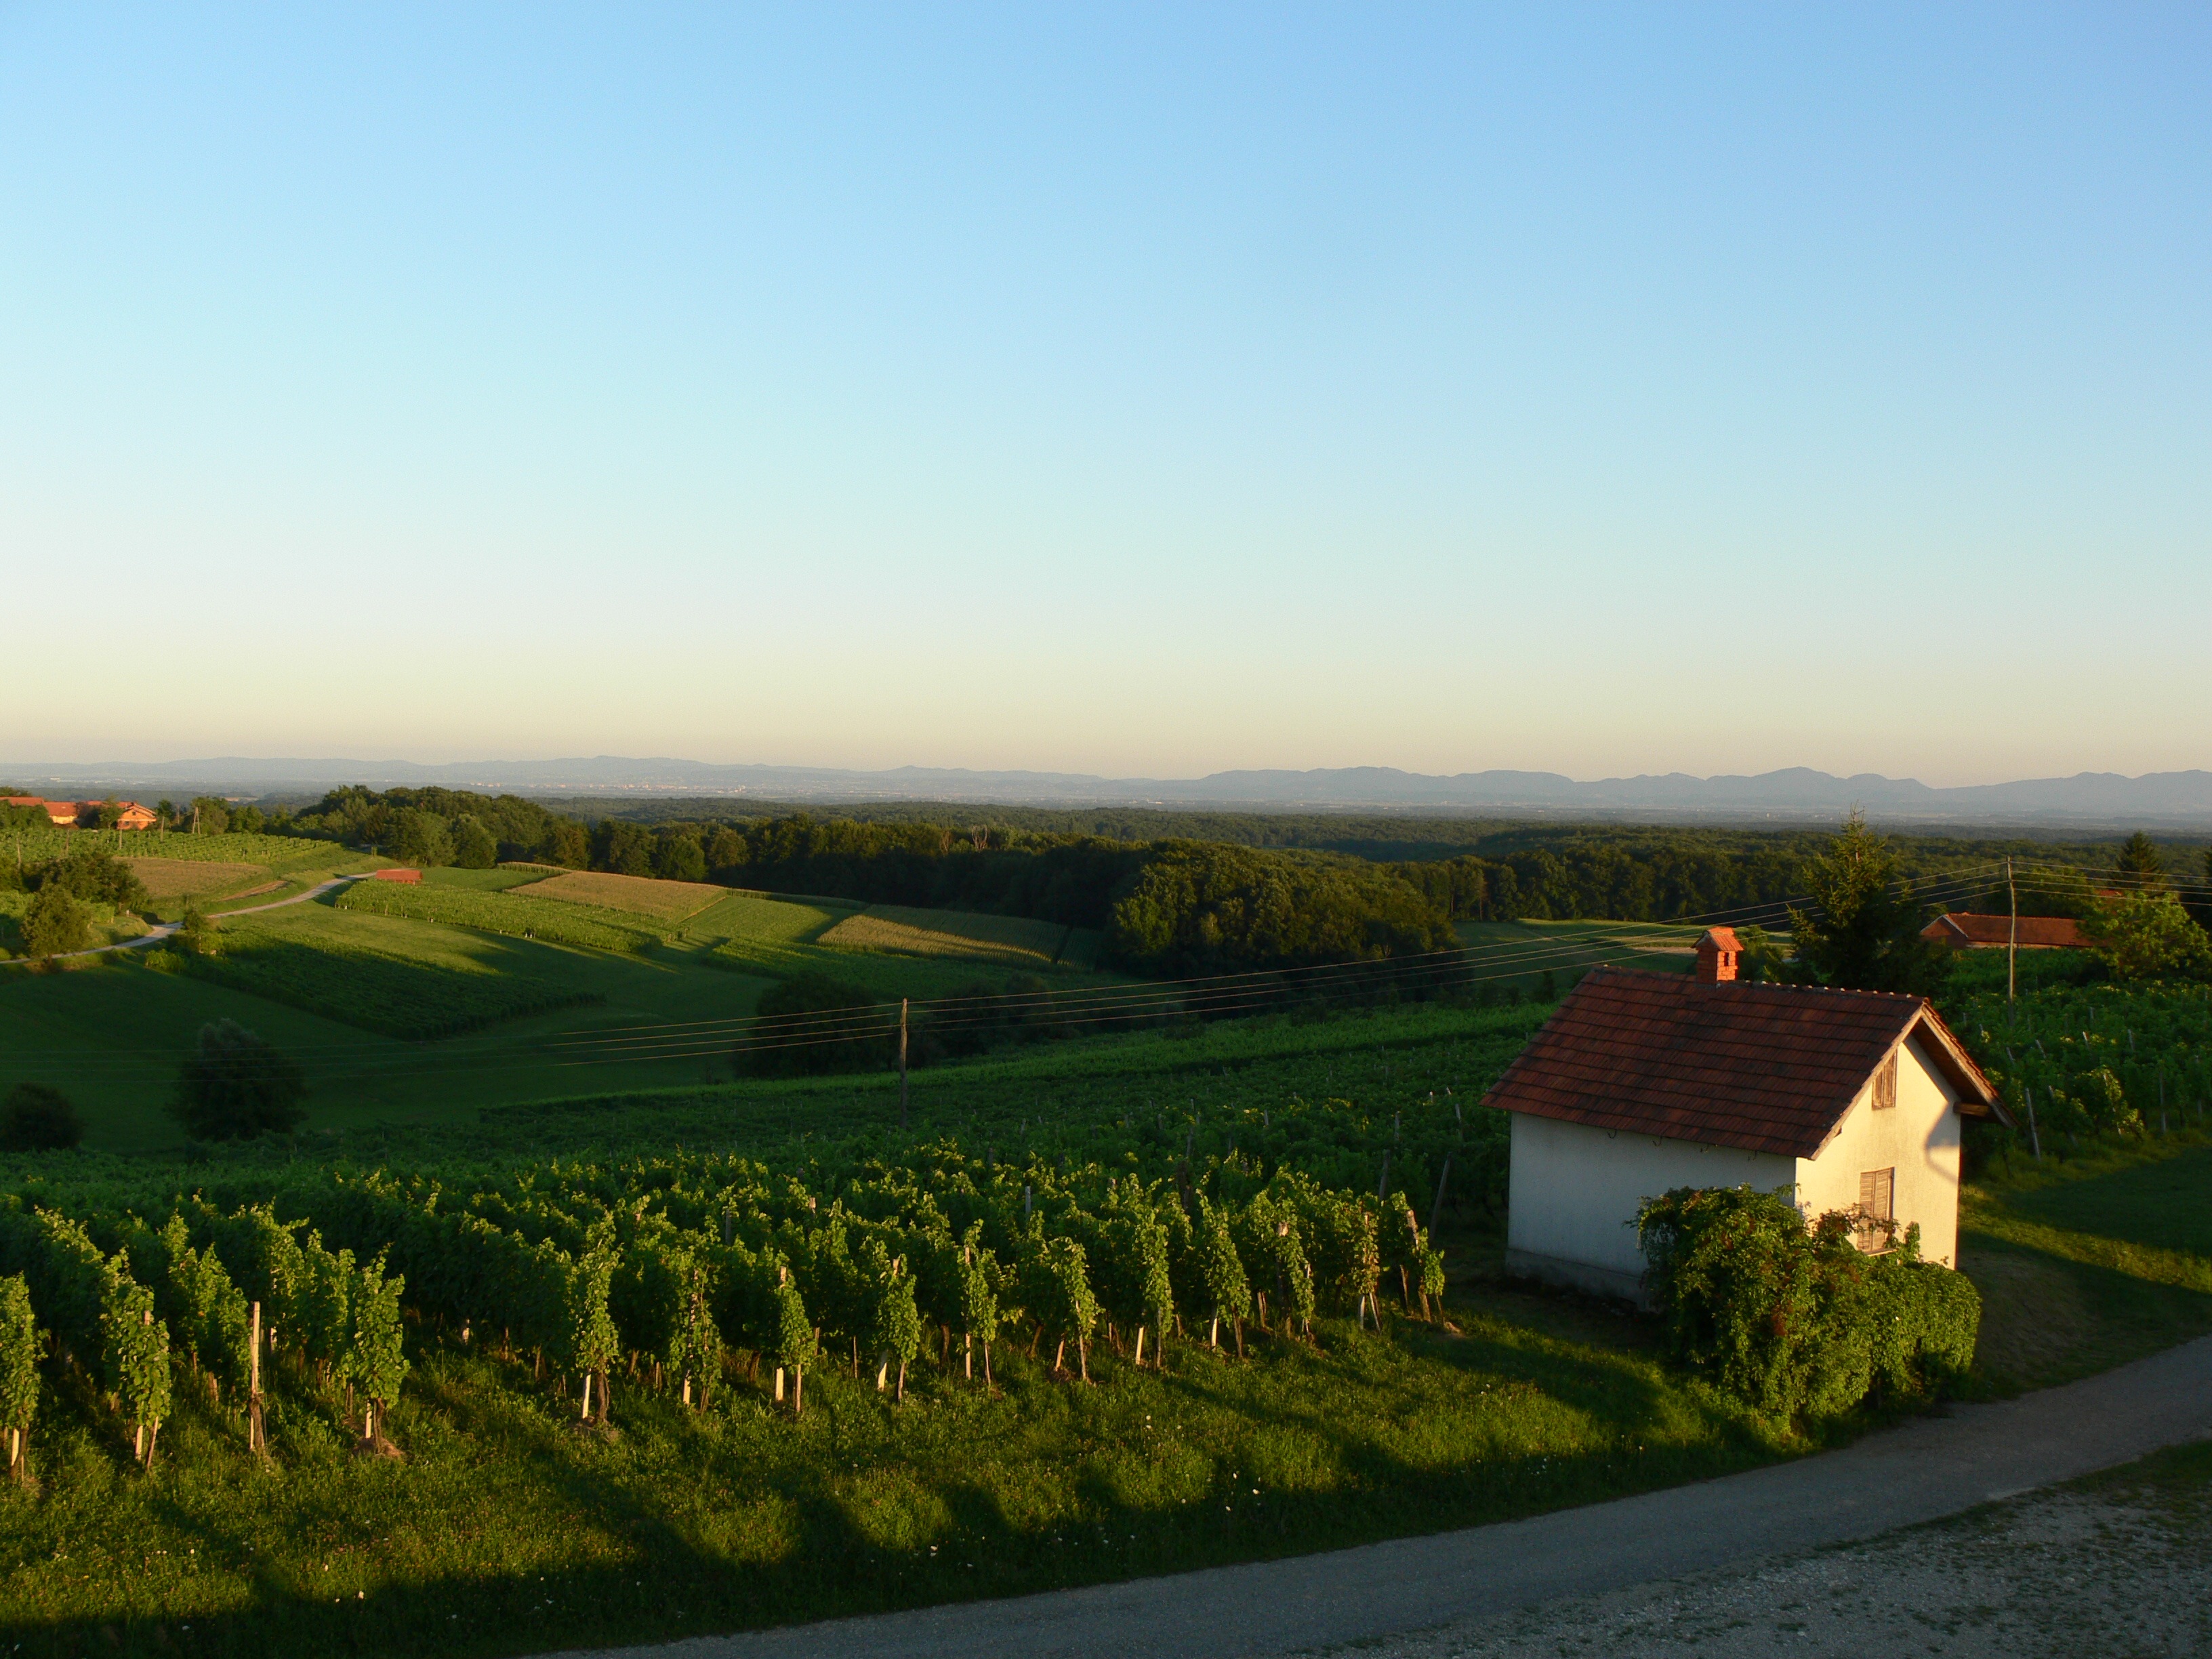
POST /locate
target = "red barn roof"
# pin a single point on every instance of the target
(1768, 1068)
(1968, 932)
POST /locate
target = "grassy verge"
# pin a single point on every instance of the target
(2088, 1263)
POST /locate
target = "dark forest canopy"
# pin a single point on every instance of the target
(1256, 890)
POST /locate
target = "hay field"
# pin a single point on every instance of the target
(169, 877)
(1018, 941)
(664, 901)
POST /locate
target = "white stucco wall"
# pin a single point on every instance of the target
(1918, 1138)
(1575, 1191)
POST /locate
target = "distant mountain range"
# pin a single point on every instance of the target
(1795, 794)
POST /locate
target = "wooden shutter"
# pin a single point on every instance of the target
(1885, 1086)
(1877, 1203)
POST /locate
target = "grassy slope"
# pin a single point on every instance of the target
(2090, 1263)
(1016, 940)
(62, 1029)
(1519, 954)
(323, 972)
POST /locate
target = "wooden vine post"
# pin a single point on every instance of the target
(257, 1436)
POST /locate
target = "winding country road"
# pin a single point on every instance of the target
(1929, 1468)
(162, 930)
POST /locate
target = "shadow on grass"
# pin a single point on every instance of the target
(2166, 1205)
(513, 1533)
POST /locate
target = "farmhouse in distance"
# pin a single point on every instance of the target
(1643, 1083)
(1964, 931)
(86, 814)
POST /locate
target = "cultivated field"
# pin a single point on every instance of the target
(664, 901)
(173, 878)
(1015, 940)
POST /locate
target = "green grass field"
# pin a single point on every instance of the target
(783, 938)
(1528, 955)
(398, 978)
(355, 988)
(1015, 941)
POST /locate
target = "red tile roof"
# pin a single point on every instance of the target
(1769, 1068)
(1969, 932)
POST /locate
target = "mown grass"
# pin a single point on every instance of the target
(397, 978)
(111, 1034)
(176, 878)
(1529, 957)
(659, 901)
(510, 914)
(784, 938)
(1017, 941)
(2091, 1261)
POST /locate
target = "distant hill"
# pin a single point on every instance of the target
(2171, 800)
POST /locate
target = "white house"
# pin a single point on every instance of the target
(1645, 1082)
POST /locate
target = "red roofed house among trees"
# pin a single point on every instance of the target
(1641, 1083)
(1966, 932)
(85, 814)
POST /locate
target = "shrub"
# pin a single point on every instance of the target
(196, 934)
(234, 1086)
(38, 1119)
(96, 877)
(55, 923)
(812, 1025)
(1796, 1320)
(2148, 935)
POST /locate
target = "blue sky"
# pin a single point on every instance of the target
(1152, 391)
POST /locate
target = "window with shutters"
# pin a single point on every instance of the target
(1885, 1086)
(1877, 1209)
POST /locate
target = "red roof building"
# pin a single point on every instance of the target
(1963, 931)
(1641, 1083)
(85, 814)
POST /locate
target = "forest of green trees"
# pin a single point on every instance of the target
(1201, 893)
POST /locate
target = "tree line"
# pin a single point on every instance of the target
(1174, 903)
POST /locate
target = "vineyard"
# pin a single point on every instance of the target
(272, 853)
(2079, 1060)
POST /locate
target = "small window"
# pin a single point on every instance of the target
(1885, 1086)
(1877, 1209)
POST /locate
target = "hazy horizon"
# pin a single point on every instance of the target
(1145, 393)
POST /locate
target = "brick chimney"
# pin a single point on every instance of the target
(1716, 954)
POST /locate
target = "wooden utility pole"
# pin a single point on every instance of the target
(902, 1065)
(2011, 944)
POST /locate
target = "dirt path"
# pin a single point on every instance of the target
(1928, 1469)
(161, 930)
